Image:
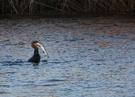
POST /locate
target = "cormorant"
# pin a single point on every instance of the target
(36, 57)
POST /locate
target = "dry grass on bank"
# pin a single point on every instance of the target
(43, 6)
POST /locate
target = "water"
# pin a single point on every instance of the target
(88, 57)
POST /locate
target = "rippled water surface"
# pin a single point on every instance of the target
(88, 57)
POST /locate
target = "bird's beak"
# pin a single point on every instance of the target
(44, 50)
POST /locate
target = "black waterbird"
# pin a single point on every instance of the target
(36, 57)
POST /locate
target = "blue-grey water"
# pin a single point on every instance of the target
(88, 57)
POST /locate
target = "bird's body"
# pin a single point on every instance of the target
(36, 57)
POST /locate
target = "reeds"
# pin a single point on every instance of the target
(87, 6)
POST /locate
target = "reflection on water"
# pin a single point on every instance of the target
(89, 57)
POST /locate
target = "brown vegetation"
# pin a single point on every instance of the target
(87, 6)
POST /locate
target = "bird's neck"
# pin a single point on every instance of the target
(36, 51)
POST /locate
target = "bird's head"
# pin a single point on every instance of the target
(34, 44)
